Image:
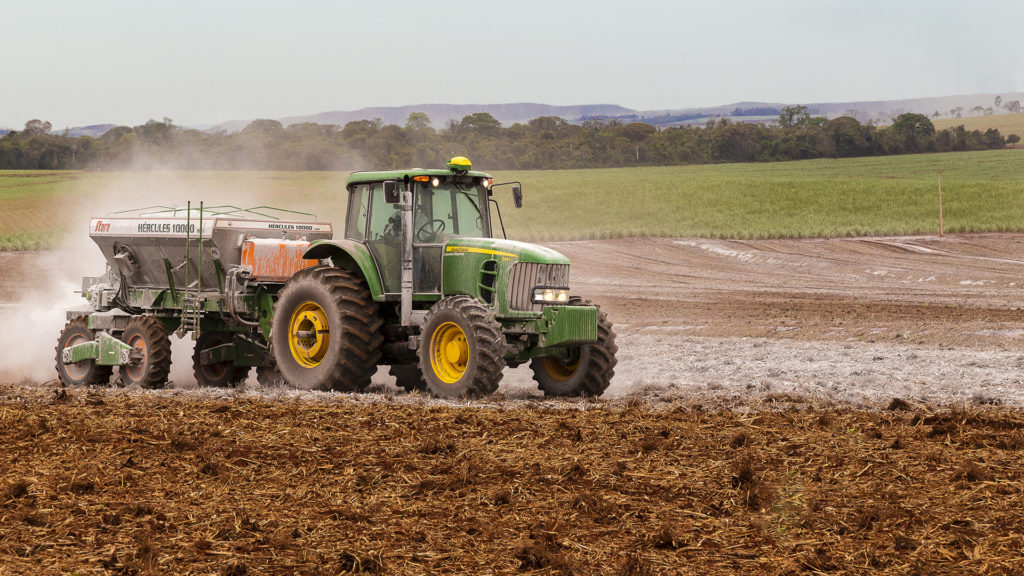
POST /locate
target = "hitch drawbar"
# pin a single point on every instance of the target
(105, 350)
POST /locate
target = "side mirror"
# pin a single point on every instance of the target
(517, 196)
(392, 195)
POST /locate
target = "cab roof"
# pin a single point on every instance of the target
(380, 176)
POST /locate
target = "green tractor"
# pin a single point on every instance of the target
(419, 282)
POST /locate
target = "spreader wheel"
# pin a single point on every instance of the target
(221, 374)
(86, 372)
(589, 368)
(148, 336)
(408, 376)
(269, 376)
(462, 351)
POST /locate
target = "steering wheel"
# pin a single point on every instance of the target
(428, 231)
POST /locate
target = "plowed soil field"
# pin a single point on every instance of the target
(780, 407)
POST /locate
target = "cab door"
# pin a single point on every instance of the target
(382, 232)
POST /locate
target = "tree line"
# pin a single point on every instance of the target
(544, 142)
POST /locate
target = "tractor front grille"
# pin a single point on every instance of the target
(525, 276)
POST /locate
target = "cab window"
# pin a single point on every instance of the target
(385, 238)
(359, 205)
(448, 211)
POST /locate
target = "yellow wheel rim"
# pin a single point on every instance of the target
(558, 369)
(309, 335)
(449, 352)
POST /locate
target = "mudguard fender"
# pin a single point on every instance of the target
(352, 256)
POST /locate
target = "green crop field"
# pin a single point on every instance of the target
(896, 195)
(1006, 123)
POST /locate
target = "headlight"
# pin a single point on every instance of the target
(550, 295)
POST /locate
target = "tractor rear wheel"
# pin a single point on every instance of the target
(148, 335)
(326, 331)
(589, 369)
(408, 376)
(86, 372)
(462, 351)
(221, 374)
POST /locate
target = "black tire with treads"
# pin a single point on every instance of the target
(222, 374)
(269, 375)
(485, 348)
(149, 335)
(86, 372)
(352, 336)
(594, 365)
(408, 377)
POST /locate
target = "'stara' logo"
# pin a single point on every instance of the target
(102, 226)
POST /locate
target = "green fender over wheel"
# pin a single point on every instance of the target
(351, 256)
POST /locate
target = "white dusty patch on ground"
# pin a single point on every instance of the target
(737, 371)
(854, 372)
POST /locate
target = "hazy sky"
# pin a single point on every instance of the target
(78, 62)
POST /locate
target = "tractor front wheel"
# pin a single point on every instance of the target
(86, 372)
(462, 349)
(589, 368)
(148, 336)
(221, 374)
(326, 331)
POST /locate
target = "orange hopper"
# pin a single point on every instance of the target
(274, 260)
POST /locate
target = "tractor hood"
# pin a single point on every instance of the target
(504, 250)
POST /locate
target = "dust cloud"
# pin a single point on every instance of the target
(43, 289)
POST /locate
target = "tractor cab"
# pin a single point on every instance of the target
(446, 204)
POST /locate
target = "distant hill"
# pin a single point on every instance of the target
(879, 111)
(440, 114)
(1006, 123)
(95, 130)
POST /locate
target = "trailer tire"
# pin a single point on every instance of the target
(269, 376)
(148, 335)
(462, 351)
(326, 331)
(86, 372)
(221, 374)
(408, 377)
(591, 369)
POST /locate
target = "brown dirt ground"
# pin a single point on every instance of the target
(964, 290)
(751, 428)
(119, 483)
(855, 320)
